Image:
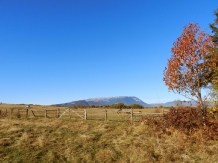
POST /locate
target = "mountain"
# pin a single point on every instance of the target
(75, 103)
(127, 100)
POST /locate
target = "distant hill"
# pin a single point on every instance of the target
(175, 103)
(127, 100)
(179, 103)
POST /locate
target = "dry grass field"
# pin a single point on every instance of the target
(72, 140)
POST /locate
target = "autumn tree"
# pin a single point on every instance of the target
(190, 67)
(214, 27)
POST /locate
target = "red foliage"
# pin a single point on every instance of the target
(187, 120)
(191, 66)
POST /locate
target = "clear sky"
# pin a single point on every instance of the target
(56, 51)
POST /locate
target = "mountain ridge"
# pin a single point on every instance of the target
(101, 101)
(127, 100)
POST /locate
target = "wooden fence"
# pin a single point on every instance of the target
(86, 114)
(13, 111)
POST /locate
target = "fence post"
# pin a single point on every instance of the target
(0, 112)
(131, 115)
(45, 113)
(69, 113)
(85, 114)
(6, 112)
(105, 114)
(27, 110)
(11, 111)
(58, 112)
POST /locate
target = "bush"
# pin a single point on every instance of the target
(214, 111)
(136, 106)
(119, 105)
(186, 120)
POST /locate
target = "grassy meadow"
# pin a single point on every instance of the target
(72, 140)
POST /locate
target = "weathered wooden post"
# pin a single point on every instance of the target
(69, 113)
(6, 112)
(105, 114)
(11, 111)
(27, 110)
(58, 112)
(131, 115)
(85, 114)
(45, 113)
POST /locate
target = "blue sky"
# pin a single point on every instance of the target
(59, 51)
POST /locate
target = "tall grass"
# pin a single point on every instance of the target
(56, 140)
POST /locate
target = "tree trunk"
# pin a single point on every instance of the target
(200, 101)
(201, 104)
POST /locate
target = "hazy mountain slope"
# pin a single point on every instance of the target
(179, 103)
(74, 103)
(127, 100)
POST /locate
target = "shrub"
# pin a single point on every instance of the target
(136, 106)
(184, 118)
(187, 120)
(118, 105)
(214, 111)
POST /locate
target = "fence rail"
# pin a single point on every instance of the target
(86, 114)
